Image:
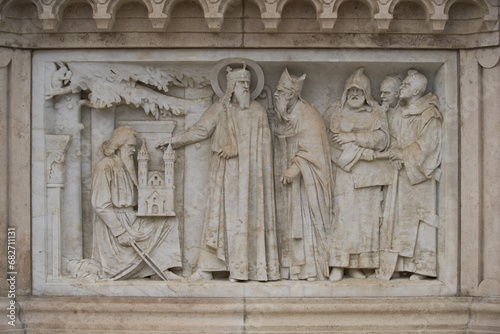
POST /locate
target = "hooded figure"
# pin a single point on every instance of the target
(358, 128)
(303, 187)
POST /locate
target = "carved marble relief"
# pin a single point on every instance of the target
(304, 193)
(239, 234)
(190, 183)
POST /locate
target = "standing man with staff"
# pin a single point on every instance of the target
(240, 222)
(418, 151)
(302, 159)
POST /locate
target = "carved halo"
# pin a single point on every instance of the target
(218, 75)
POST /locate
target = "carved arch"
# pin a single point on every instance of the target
(170, 5)
(224, 4)
(60, 5)
(481, 4)
(428, 5)
(372, 5)
(318, 5)
(114, 5)
(5, 5)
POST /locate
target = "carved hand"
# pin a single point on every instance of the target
(164, 143)
(228, 152)
(397, 164)
(396, 154)
(124, 239)
(343, 138)
(368, 155)
(49, 95)
(290, 175)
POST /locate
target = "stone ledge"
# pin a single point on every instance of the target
(257, 315)
(154, 40)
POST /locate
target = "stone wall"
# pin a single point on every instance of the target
(466, 297)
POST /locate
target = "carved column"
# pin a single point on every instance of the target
(480, 157)
(15, 124)
(56, 150)
(67, 121)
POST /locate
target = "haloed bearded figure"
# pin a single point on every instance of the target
(304, 197)
(240, 226)
(116, 226)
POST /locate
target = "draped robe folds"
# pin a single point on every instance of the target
(113, 198)
(357, 190)
(394, 120)
(416, 222)
(304, 214)
(240, 222)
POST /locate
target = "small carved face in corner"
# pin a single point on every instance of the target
(389, 93)
(242, 93)
(355, 98)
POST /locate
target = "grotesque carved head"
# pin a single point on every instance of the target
(358, 90)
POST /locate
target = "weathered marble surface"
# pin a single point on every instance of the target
(431, 24)
(15, 123)
(243, 315)
(466, 28)
(214, 12)
(319, 66)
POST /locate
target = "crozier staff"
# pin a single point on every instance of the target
(305, 193)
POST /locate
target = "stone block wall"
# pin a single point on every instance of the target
(467, 29)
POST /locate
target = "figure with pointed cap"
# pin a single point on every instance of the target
(240, 221)
(358, 128)
(303, 189)
(418, 151)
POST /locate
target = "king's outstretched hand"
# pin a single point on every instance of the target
(165, 142)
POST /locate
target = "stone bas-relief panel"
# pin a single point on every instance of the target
(245, 173)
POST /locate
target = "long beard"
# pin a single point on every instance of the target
(243, 99)
(281, 108)
(355, 102)
(128, 161)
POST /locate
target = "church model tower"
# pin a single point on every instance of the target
(156, 191)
